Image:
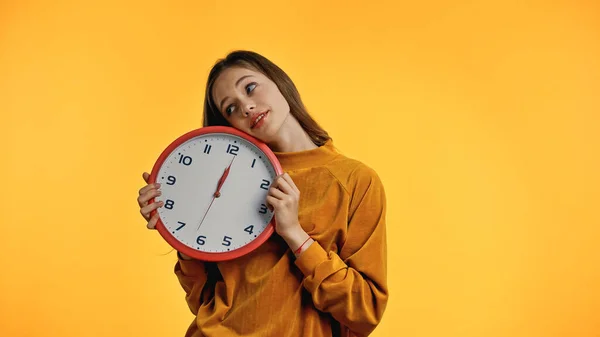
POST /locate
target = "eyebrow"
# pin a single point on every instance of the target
(236, 84)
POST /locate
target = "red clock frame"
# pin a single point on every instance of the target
(191, 252)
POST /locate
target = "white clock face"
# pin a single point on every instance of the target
(189, 178)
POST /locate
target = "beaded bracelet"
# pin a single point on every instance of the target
(302, 245)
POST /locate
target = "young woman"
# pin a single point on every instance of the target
(324, 271)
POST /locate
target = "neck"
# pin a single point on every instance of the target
(291, 137)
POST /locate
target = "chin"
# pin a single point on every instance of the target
(263, 134)
(262, 137)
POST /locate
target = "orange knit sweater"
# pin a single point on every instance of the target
(337, 287)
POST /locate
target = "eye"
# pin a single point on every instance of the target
(250, 87)
(229, 110)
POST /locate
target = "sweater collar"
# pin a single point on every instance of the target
(307, 158)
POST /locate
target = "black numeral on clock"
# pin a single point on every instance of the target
(171, 180)
(249, 229)
(185, 160)
(226, 241)
(180, 227)
(253, 161)
(207, 148)
(232, 149)
(200, 240)
(169, 204)
(263, 209)
(265, 184)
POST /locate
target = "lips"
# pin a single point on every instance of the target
(257, 118)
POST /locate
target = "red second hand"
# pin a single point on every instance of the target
(218, 191)
(205, 213)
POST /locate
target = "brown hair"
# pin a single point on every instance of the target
(257, 62)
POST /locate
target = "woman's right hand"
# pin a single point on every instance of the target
(146, 193)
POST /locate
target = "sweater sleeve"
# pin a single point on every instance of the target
(352, 285)
(192, 276)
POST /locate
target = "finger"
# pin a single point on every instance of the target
(144, 198)
(284, 185)
(149, 187)
(276, 193)
(146, 210)
(152, 223)
(146, 176)
(272, 202)
(291, 182)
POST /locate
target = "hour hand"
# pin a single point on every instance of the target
(223, 178)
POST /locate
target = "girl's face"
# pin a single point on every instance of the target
(250, 102)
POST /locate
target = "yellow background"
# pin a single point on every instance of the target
(482, 120)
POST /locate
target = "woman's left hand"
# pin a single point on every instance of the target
(283, 198)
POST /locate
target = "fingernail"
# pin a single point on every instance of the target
(157, 185)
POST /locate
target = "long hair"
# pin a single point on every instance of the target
(257, 62)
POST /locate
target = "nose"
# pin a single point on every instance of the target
(249, 107)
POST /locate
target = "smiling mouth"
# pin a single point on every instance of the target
(258, 119)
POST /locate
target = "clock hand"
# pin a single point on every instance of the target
(223, 178)
(205, 213)
(218, 191)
